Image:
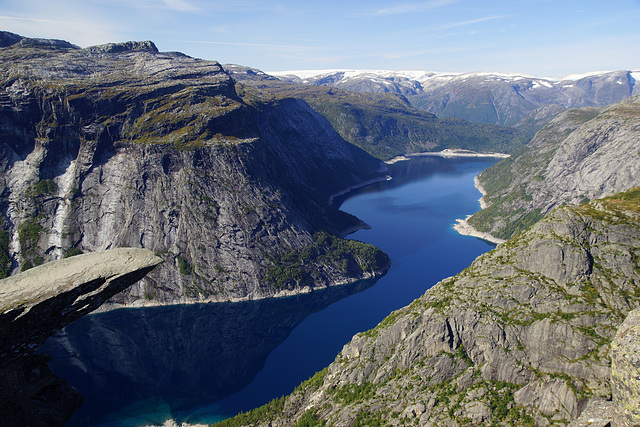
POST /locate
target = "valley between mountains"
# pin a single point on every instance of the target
(226, 174)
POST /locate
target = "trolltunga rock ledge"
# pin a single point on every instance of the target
(38, 302)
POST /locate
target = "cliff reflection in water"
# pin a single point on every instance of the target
(416, 169)
(183, 356)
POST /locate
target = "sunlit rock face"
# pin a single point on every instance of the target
(523, 336)
(122, 145)
(581, 155)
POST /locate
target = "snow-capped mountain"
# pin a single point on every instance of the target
(506, 99)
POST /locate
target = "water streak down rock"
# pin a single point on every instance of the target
(122, 145)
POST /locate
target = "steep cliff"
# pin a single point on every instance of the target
(122, 145)
(521, 337)
(37, 303)
(583, 154)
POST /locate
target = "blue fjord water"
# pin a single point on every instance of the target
(206, 362)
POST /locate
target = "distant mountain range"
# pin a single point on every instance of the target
(518, 100)
(385, 124)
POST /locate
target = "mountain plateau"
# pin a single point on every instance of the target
(122, 145)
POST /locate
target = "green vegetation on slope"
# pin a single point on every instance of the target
(387, 125)
(350, 257)
(512, 184)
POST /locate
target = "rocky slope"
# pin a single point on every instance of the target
(122, 145)
(521, 337)
(37, 303)
(583, 154)
(386, 125)
(523, 101)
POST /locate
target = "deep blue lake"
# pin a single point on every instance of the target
(206, 362)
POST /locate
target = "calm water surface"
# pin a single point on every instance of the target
(204, 363)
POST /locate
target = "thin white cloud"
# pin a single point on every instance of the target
(49, 21)
(269, 45)
(412, 7)
(82, 32)
(467, 22)
(180, 5)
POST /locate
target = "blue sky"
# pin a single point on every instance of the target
(540, 37)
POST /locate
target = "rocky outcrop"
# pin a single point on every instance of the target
(624, 408)
(37, 303)
(581, 155)
(122, 145)
(520, 337)
(625, 371)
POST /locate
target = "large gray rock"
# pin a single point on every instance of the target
(625, 371)
(624, 408)
(37, 303)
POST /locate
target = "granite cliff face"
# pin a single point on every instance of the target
(581, 155)
(522, 101)
(37, 303)
(521, 337)
(122, 145)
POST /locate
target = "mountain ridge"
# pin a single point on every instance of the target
(582, 154)
(506, 99)
(386, 125)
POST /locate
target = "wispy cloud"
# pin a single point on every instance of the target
(82, 32)
(49, 21)
(180, 5)
(412, 7)
(467, 22)
(269, 45)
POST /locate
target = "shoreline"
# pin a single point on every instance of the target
(463, 227)
(356, 186)
(476, 183)
(141, 304)
(447, 152)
